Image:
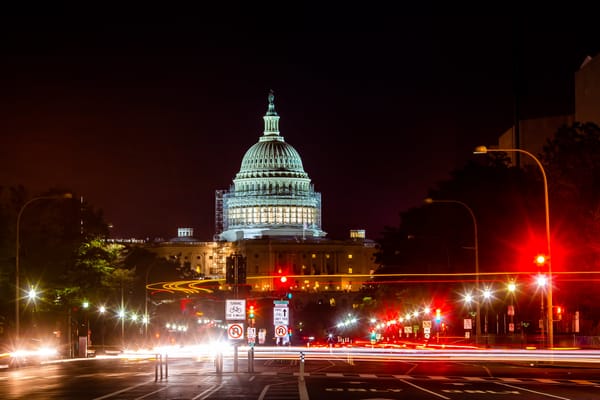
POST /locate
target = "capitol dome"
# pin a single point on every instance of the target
(271, 194)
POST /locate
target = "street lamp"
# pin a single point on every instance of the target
(487, 295)
(511, 287)
(146, 317)
(484, 150)
(542, 282)
(477, 306)
(102, 310)
(32, 296)
(17, 256)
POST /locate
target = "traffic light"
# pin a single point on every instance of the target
(557, 315)
(230, 271)
(241, 270)
(235, 272)
(251, 312)
(438, 315)
(281, 280)
(540, 260)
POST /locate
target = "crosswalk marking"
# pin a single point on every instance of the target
(582, 382)
(542, 380)
(509, 379)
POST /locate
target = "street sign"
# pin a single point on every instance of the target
(281, 330)
(235, 309)
(251, 332)
(426, 324)
(281, 316)
(235, 331)
(467, 323)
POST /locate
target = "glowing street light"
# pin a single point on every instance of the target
(511, 287)
(32, 294)
(548, 260)
(17, 256)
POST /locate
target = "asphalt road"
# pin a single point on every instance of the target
(336, 377)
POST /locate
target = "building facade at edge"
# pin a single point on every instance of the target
(534, 132)
(271, 215)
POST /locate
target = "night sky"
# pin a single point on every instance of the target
(147, 118)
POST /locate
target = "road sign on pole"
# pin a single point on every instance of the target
(235, 331)
(281, 316)
(281, 330)
(235, 309)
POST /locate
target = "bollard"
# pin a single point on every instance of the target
(156, 368)
(235, 358)
(219, 363)
(301, 366)
(251, 359)
(166, 365)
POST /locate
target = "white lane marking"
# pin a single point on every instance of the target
(208, 392)
(533, 391)
(425, 390)
(474, 378)
(302, 391)
(264, 392)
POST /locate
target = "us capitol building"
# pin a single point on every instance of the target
(271, 216)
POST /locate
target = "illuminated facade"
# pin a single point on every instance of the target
(272, 216)
(271, 195)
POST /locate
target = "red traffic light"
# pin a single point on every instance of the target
(283, 279)
(540, 259)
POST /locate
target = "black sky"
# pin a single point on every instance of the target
(146, 119)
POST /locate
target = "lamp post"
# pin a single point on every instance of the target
(146, 319)
(487, 295)
(542, 282)
(17, 257)
(511, 287)
(475, 235)
(32, 296)
(484, 150)
(102, 310)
